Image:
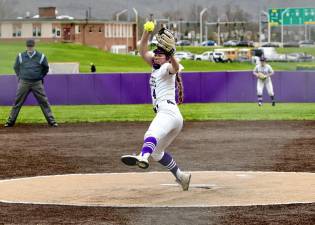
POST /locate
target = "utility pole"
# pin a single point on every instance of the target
(282, 15)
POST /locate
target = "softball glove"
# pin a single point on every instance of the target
(166, 41)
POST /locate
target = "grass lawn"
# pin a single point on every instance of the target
(191, 112)
(107, 62)
(201, 49)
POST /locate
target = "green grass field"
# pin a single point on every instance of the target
(107, 62)
(201, 49)
(191, 112)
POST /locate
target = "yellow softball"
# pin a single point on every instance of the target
(149, 26)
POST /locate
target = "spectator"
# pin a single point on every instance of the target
(31, 67)
(93, 68)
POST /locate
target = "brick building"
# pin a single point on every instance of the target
(48, 27)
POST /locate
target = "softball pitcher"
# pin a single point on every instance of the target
(168, 121)
(263, 72)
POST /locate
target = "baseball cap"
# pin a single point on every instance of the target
(30, 43)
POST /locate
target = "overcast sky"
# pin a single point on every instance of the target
(107, 8)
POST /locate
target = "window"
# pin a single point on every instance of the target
(56, 30)
(120, 30)
(124, 31)
(110, 30)
(37, 31)
(114, 30)
(17, 30)
(106, 30)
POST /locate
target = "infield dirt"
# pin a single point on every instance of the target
(32, 150)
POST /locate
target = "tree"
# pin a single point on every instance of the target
(235, 13)
(213, 13)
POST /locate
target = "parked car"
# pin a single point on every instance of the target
(208, 43)
(292, 57)
(230, 43)
(291, 45)
(183, 43)
(299, 57)
(245, 44)
(271, 44)
(269, 53)
(220, 57)
(207, 56)
(303, 57)
(184, 55)
(306, 43)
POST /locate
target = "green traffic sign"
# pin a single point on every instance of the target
(291, 16)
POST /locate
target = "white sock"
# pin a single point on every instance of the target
(179, 173)
(145, 155)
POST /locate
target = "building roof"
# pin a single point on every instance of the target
(65, 20)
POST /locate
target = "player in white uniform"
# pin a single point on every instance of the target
(263, 72)
(168, 121)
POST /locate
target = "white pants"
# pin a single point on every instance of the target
(262, 83)
(166, 125)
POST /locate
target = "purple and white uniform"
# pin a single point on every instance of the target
(266, 70)
(168, 121)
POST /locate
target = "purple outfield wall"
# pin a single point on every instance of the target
(133, 88)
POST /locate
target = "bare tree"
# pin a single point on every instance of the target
(194, 12)
(173, 15)
(235, 13)
(240, 14)
(213, 13)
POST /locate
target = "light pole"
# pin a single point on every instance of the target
(282, 14)
(200, 21)
(137, 21)
(219, 39)
(119, 13)
(267, 15)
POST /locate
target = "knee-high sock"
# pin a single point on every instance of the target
(260, 98)
(168, 161)
(272, 98)
(148, 146)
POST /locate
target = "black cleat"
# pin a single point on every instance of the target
(54, 124)
(133, 160)
(273, 104)
(8, 124)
